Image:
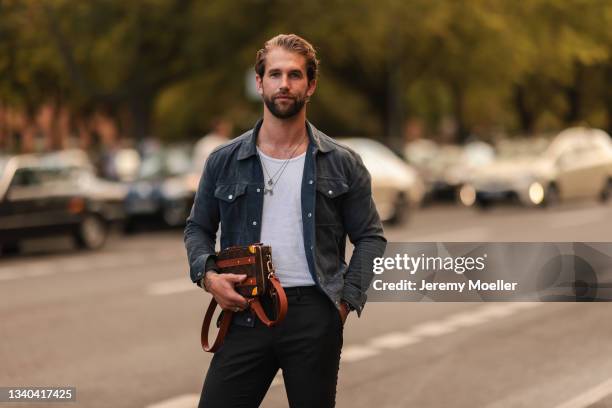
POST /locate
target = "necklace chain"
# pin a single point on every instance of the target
(271, 183)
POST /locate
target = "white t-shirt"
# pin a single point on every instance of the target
(281, 225)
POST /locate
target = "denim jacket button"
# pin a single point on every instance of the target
(230, 196)
(258, 190)
(254, 222)
(309, 214)
(310, 181)
(330, 192)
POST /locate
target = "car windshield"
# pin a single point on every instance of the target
(377, 158)
(370, 150)
(522, 148)
(165, 164)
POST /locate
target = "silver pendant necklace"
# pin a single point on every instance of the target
(269, 186)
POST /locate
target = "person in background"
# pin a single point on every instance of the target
(221, 133)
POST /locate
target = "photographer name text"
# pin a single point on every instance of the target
(477, 285)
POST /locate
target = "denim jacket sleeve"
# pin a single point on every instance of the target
(202, 224)
(364, 229)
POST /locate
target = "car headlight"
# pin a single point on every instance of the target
(467, 195)
(536, 193)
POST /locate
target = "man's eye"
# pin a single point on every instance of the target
(274, 75)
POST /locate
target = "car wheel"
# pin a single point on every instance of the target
(175, 214)
(483, 205)
(551, 197)
(129, 226)
(401, 212)
(11, 248)
(92, 232)
(606, 193)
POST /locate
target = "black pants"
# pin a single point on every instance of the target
(306, 346)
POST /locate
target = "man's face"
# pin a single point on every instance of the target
(284, 86)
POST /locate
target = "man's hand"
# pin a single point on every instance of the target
(344, 311)
(221, 286)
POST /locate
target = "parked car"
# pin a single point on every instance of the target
(164, 189)
(54, 194)
(445, 168)
(576, 164)
(396, 186)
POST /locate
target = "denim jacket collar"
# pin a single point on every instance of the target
(315, 136)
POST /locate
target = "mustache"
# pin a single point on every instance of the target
(283, 95)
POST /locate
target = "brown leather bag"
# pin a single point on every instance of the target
(254, 261)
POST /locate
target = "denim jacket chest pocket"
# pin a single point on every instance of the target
(330, 194)
(232, 205)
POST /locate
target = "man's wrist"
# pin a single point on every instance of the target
(206, 280)
(349, 308)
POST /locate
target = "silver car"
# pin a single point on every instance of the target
(577, 164)
(396, 186)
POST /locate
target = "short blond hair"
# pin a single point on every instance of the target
(292, 43)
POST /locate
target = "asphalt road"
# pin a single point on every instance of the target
(122, 326)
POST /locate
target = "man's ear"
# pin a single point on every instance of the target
(259, 84)
(312, 86)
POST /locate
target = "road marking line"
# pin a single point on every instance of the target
(170, 287)
(12, 275)
(465, 320)
(493, 311)
(590, 397)
(393, 340)
(37, 273)
(182, 401)
(357, 353)
(82, 263)
(432, 329)
(9, 275)
(420, 332)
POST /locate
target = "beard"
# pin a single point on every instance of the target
(285, 110)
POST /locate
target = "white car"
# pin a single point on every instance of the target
(396, 186)
(445, 168)
(576, 164)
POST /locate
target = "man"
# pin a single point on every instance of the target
(288, 185)
(220, 134)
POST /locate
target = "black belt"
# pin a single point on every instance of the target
(302, 290)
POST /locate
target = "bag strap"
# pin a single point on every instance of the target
(223, 328)
(281, 313)
(281, 304)
(280, 300)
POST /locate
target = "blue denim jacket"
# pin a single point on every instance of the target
(336, 202)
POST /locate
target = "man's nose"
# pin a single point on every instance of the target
(284, 82)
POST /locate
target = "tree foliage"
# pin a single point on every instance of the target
(168, 67)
